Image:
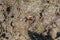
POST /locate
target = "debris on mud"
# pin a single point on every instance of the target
(29, 19)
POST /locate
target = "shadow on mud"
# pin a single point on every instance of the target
(36, 36)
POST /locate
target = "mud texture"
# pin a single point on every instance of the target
(44, 23)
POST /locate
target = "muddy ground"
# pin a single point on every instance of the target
(43, 23)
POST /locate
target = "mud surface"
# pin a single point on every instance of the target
(29, 19)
